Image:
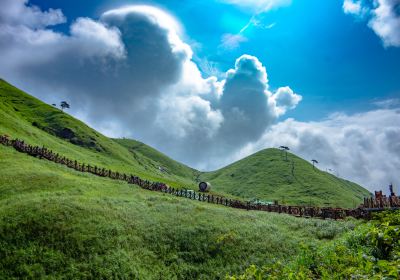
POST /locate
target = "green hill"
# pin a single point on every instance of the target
(56, 223)
(23, 116)
(164, 163)
(268, 175)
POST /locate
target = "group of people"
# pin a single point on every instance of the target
(43, 152)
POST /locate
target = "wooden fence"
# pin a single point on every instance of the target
(299, 211)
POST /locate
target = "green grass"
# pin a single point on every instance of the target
(150, 155)
(26, 117)
(59, 223)
(371, 251)
(268, 176)
(265, 175)
(56, 223)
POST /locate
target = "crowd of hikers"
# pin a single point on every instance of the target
(300, 211)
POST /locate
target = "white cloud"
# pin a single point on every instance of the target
(388, 103)
(130, 74)
(17, 12)
(286, 99)
(232, 41)
(363, 147)
(386, 22)
(352, 7)
(181, 116)
(94, 38)
(383, 16)
(155, 15)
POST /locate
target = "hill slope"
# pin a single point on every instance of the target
(28, 118)
(57, 223)
(267, 175)
(165, 163)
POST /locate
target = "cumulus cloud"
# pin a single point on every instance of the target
(286, 99)
(188, 115)
(383, 18)
(95, 39)
(237, 111)
(33, 17)
(363, 147)
(130, 74)
(386, 22)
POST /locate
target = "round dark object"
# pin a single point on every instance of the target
(204, 186)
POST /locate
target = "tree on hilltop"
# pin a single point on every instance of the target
(284, 148)
(314, 161)
(64, 105)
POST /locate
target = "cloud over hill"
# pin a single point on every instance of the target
(129, 73)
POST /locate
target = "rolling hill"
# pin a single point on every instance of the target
(58, 223)
(267, 175)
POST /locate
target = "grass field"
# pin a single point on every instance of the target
(58, 223)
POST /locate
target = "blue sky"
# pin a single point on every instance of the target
(209, 82)
(336, 62)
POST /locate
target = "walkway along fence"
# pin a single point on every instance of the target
(299, 211)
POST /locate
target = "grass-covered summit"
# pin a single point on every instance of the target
(269, 175)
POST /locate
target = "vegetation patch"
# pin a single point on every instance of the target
(59, 223)
(371, 251)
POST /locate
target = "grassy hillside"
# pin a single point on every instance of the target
(371, 251)
(58, 223)
(265, 175)
(26, 117)
(168, 165)
(268, 176)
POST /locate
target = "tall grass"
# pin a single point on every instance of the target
(58, 223)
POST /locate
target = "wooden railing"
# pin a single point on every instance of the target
(299, 211)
